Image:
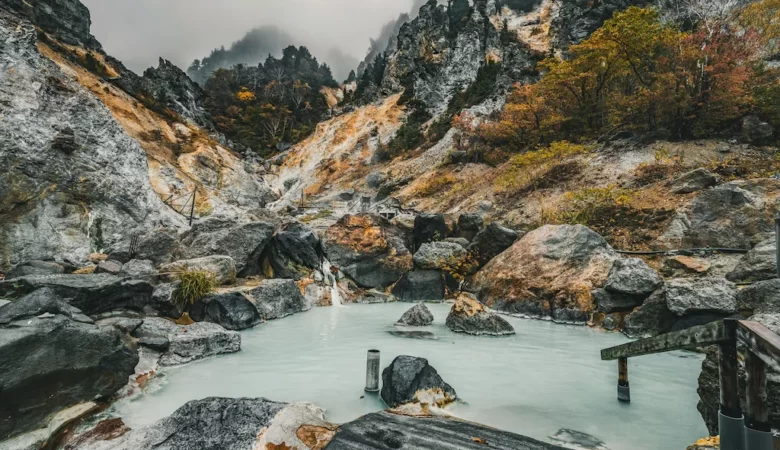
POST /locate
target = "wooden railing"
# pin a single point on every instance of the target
(751, 431)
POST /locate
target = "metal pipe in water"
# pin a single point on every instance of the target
(372, 371)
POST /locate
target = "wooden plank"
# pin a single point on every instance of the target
(729, 376)
(712, 333)
(757, 417)
(761, 341)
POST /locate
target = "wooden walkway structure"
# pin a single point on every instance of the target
(751, 431)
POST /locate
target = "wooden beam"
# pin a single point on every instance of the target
(761, 341)
(712, 333)
(757, 417)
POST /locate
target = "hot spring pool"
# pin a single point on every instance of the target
(545, 378)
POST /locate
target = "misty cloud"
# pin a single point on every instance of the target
(139, 31)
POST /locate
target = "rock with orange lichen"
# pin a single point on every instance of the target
(369, 249)
(550, 272)
(470, 316)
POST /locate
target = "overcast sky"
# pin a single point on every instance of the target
(139, 31)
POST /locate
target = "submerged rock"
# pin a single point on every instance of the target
(189, 343)
(414, 334)
(577, 439)
(35, 332)
(369, 249)
(92, 294)
(232, 311)
(410, 379)
(551, 272)
(420, 285)
(418, 316)
(470, 316)
(275, 299)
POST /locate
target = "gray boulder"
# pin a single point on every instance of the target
(651, 319)
(611, 302)
(701, 295)
(463, 242)
(439, 255)
(758, 264)
(244, 242)
(633, 277)
(188, 343)
(212, 423)
(163, 300)
(760, 298)
(375, 179)
(374, 296)
(222, 268)
(126, 325)
(490, 242)
(35, 332)
(408, 378)
(35, 268)
(469, 225)
(109, 266)
(430, 228)
(693, 181)
(92, 294)
(418, 316)
(294, 252)
(139, 269)
(420, 285)
(756, 131)
(469, 316)
(232, 311)
(369, 249)
(276, 299)
(161, 246)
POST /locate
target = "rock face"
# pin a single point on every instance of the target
(160, 245)
(369, 249)
(439, 256)
(549, 272)
(232, 311)
(211, 423)
(138, 270)
(179, 94)
(275, 299)
(408, 379)
(633, 277)
(92, 294)
(704, 295)
(759, 264)
(471, 317)
(222, 268)
(418, 316)
(385, 430)
(292, 253)
(189, 343)
(62, 152)
(35, 332)
(420, 285)
(693, 181)
(491, 242)
(35, 268)
(244, 242)
(760, 298)
(729, 215)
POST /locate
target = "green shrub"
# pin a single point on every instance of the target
(194, 285)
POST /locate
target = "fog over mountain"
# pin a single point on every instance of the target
(336, 31)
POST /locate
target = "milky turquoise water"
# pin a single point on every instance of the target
(545, 378)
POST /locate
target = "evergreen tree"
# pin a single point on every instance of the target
(458, 12)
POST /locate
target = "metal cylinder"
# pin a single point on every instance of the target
(732, 432)
(758, 440)
(624, 393)
(372, 371)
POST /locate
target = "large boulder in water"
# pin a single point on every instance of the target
(244, 242)
(231, 310)
(410, 379)
(758, 264)
(550, 272)
(709, 383)
(418, 316)
(187, 343)
(221, 267)
(420, 285)
(59, 359)
(211, 423)
(491, 242)
(294, 252)
(275, 299)
(369, 249)
(470, 316)
(727, 216)
(92, 294)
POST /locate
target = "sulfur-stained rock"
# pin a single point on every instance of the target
(440, 256)
(490, 242)
(471, 317)
(408, 379)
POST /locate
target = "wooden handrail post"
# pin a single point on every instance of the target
(624, 390)
(758, 431)
(730, 419)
